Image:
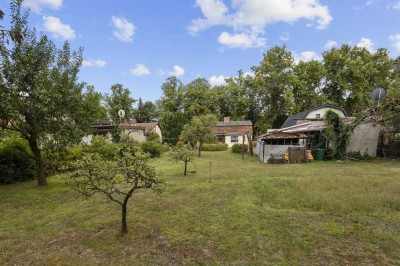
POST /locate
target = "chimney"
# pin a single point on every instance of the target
(226, 119)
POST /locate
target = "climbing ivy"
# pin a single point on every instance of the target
(338, 133)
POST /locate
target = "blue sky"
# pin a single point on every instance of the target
(139, 43)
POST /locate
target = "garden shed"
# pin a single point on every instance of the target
(282, 147)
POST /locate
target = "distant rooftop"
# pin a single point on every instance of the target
(234, 123)
(291, 121)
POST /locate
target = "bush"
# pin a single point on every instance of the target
(358, 156)
(237, 148)
(154, 136)
(165, 148)
(180, 144)
(106, 150)
(215, 147)
(59, 160)
(16, 162)
(153, 148)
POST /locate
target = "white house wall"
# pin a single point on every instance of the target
(157, 129)
(364, 139)
(136, 134)
(228, 140)
(322, 112)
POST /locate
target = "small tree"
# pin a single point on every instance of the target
(199, 131)
(185, 154)
(117, 179)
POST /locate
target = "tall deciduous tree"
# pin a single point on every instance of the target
(197, 97)
(199, 131)
(145, 112)
(274, 82)
(353, 72)
(171, 124)
(93, 102)
(16, 34)
(119, 99)
(308, 85)
(40, 94)
(172, 95)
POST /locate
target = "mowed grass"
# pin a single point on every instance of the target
(250, 213)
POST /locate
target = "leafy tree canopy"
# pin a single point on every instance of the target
(41, 97)
(119, 100)
(199, 131)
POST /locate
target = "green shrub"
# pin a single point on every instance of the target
(358, 156)
(237, 148)
(180, 144)
(104, 148)
(154, 136)
(16, 162)
(165, 148)
(59, 160)
(215, 147)
(153, 148)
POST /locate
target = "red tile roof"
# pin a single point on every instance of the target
(233, 128)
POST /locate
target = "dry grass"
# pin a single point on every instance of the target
(317, 213)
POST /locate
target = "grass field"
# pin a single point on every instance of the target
(250, 213)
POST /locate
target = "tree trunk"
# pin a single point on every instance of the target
(40, 167)
(250, 144)
(200, 146)
(124, 227)
(185, 168)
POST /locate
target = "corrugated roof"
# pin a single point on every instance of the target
(282, 135)
(291, 121)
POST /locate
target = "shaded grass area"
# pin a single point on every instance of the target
(250, 213)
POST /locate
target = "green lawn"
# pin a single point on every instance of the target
(316, 213)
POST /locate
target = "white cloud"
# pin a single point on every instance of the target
(249, 74)
(139, 70)
(395, 39)
(57, 28)
(306, 56)
(250, 17)
(37, 5)
(123, 29)
(330, 44)
(241, 40)
(285, 36)
(217, 80)
(177, 72)
(94, 63)
(214, 12)
(372, 2)
(397, 6)
(367, 44)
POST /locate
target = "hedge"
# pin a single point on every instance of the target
(215, 147)
(237, 148)
(151, 147)
(16, 162)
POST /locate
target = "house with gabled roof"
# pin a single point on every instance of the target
(133, 130)
(315, 113)
(233, 132)
(302, 130)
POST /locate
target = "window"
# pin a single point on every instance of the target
(318, 116)
(234, 139)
